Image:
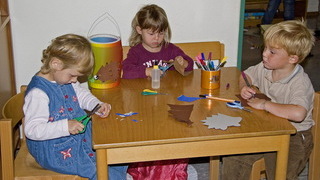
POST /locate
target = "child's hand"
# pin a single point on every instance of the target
(148, 72)
(74, 126)
(181, 61)
(247, 92)
(257, 103)
(104, 110)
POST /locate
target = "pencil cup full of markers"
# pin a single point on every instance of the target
(210, 72)
(210, 79)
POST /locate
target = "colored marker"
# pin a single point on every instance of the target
(221, 65)
(245, 79)
(223, 59)
(199, 62)
(202, 56)
(210, 54)
(211, 65)
(217, 98)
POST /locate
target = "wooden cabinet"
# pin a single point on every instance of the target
(7, 75)
(254, 10)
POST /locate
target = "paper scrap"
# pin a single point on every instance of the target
(126, 114)
(221, 121)
(181, 113)
(188, 99)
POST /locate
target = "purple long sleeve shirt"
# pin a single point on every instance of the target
(138, 59)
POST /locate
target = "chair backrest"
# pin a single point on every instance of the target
(194, 48)
(314, 161)
(13, 107)
(10, 133)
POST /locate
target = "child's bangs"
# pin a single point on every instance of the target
(155, 25)
(276, 39)
(79, 57)
(275, 43)
(86, 63)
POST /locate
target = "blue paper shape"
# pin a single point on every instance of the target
(188, 99)
(165, 68)
(126, 114)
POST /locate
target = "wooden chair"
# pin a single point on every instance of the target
(194, 48)
(258, 170)
(314, 160)
(16, 161)
(258, 167)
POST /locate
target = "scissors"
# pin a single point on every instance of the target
(86, 118)
(150, 92)
(237, 104)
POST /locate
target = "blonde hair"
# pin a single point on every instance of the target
(293, 36)
(150, 17)
(73, 50)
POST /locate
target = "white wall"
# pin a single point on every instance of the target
(36, 22)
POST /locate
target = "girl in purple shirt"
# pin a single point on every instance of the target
(150, 44)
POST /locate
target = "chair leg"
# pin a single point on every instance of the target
(258, 170)
(214, 167)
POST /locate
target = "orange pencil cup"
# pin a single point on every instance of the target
(210, 79)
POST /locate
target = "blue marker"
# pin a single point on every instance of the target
(202, 56)
(212, 65)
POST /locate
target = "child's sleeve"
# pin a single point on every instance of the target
(302, 93)
(132, 68)
(86, 99)
(36, 111)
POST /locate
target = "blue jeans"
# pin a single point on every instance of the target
(72, 155)
(273, 7)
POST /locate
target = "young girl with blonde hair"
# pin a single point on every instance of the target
(54, 100)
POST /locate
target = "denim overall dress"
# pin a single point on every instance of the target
(71, 154)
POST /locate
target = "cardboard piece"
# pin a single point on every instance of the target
(244, 102)
(180, 68)
(181, 113)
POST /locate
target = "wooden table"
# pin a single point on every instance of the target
(153, 134)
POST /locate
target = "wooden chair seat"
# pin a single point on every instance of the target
(28, 168)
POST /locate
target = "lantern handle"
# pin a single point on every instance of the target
(100, 19)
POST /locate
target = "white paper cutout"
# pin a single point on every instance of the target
(221, 121)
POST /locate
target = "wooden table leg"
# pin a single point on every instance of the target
(282, 158)
(214, 167)
(102, 165)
